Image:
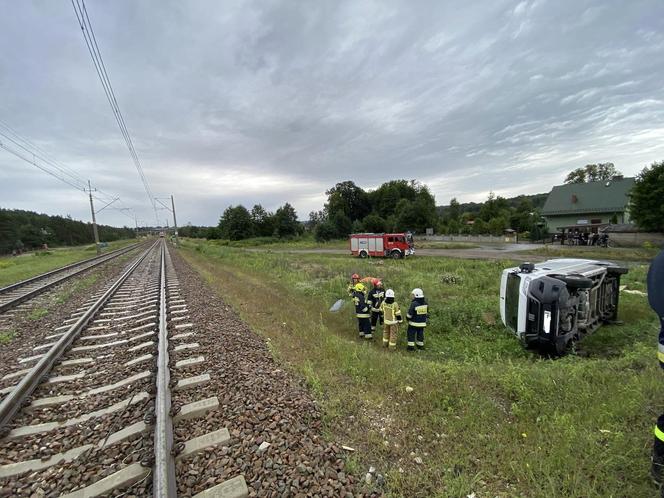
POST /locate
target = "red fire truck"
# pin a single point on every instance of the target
(382, 245)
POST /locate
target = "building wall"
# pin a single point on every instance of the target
(553, 222)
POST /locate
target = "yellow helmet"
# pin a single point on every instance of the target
(359, 287)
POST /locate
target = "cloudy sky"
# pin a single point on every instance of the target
(273, 101)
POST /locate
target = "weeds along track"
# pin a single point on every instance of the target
(90, 412)
(21, 292)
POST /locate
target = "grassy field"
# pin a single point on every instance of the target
(16, 268)
(304, 242)
(590, 252)
(484, 415)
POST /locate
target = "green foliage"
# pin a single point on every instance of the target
(485, 415)
(326, 231)
(25, 230)
(647, 204)
(235, 223)
(398, 205)
(262, 221)
(374, 223)
(592, 173)
(349, 199)
(285, 222)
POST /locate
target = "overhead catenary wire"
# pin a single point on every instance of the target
(15, 144)
(93, 48)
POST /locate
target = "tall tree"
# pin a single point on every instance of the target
(285, 221)
(454, 211)
(262, 221)
(349, 199)
(235, 223)
(647, 206)
(592, 173)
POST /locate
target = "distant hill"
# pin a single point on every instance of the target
(538, 201)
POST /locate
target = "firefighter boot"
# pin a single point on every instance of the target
(657, 466)
(657, 470)
(411, 333)
(420, 338)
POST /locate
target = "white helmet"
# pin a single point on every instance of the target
(389, 293)
(418, 293)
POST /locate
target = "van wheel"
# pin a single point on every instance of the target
(615, 270)
(396, 255)
(363, 254)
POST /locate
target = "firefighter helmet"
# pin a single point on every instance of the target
(418, 293)
(359, 287)
(389, 293)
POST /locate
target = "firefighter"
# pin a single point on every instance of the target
(391, 319)
(354, 279)
(656, 300)
(376, 297)
(417, 315)
(362, 310)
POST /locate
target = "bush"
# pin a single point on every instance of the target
(326, 231)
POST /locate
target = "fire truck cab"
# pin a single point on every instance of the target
(382, 245)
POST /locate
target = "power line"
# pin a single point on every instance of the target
(24, 149)
(93, 48)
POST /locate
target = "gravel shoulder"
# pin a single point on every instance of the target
(259, 403)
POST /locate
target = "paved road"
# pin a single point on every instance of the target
(507, 251)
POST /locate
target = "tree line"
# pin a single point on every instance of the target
(23, 230)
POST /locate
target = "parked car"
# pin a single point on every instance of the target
(550, 304)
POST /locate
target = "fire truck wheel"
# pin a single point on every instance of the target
(396, 255)
(363, 254)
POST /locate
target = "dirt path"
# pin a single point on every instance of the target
(507, 252)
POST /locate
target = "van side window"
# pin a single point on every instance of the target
(390, 239)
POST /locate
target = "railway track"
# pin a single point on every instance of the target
(15, 294)
(90, 413)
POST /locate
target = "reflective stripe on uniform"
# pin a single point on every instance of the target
(660, 356)
(411, 343)
(393, 344)
(368, 336)
(659, 434)
(363, 315)
(420, 325)
(419, 343)
(385, 341)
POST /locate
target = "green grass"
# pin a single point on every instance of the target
(6, 336)
(16, 268)
(37, 313)
(485, 415)
(81, 284)
(590, 252)
(303, 242)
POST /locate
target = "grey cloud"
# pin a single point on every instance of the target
(254, 101)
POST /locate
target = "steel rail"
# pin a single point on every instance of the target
(15, 399)
(8, 288)
(163, 476)
(29, 295)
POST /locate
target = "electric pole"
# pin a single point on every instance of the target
(175, 222)
(94, 220)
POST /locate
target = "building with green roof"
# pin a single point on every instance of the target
(588, 206)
